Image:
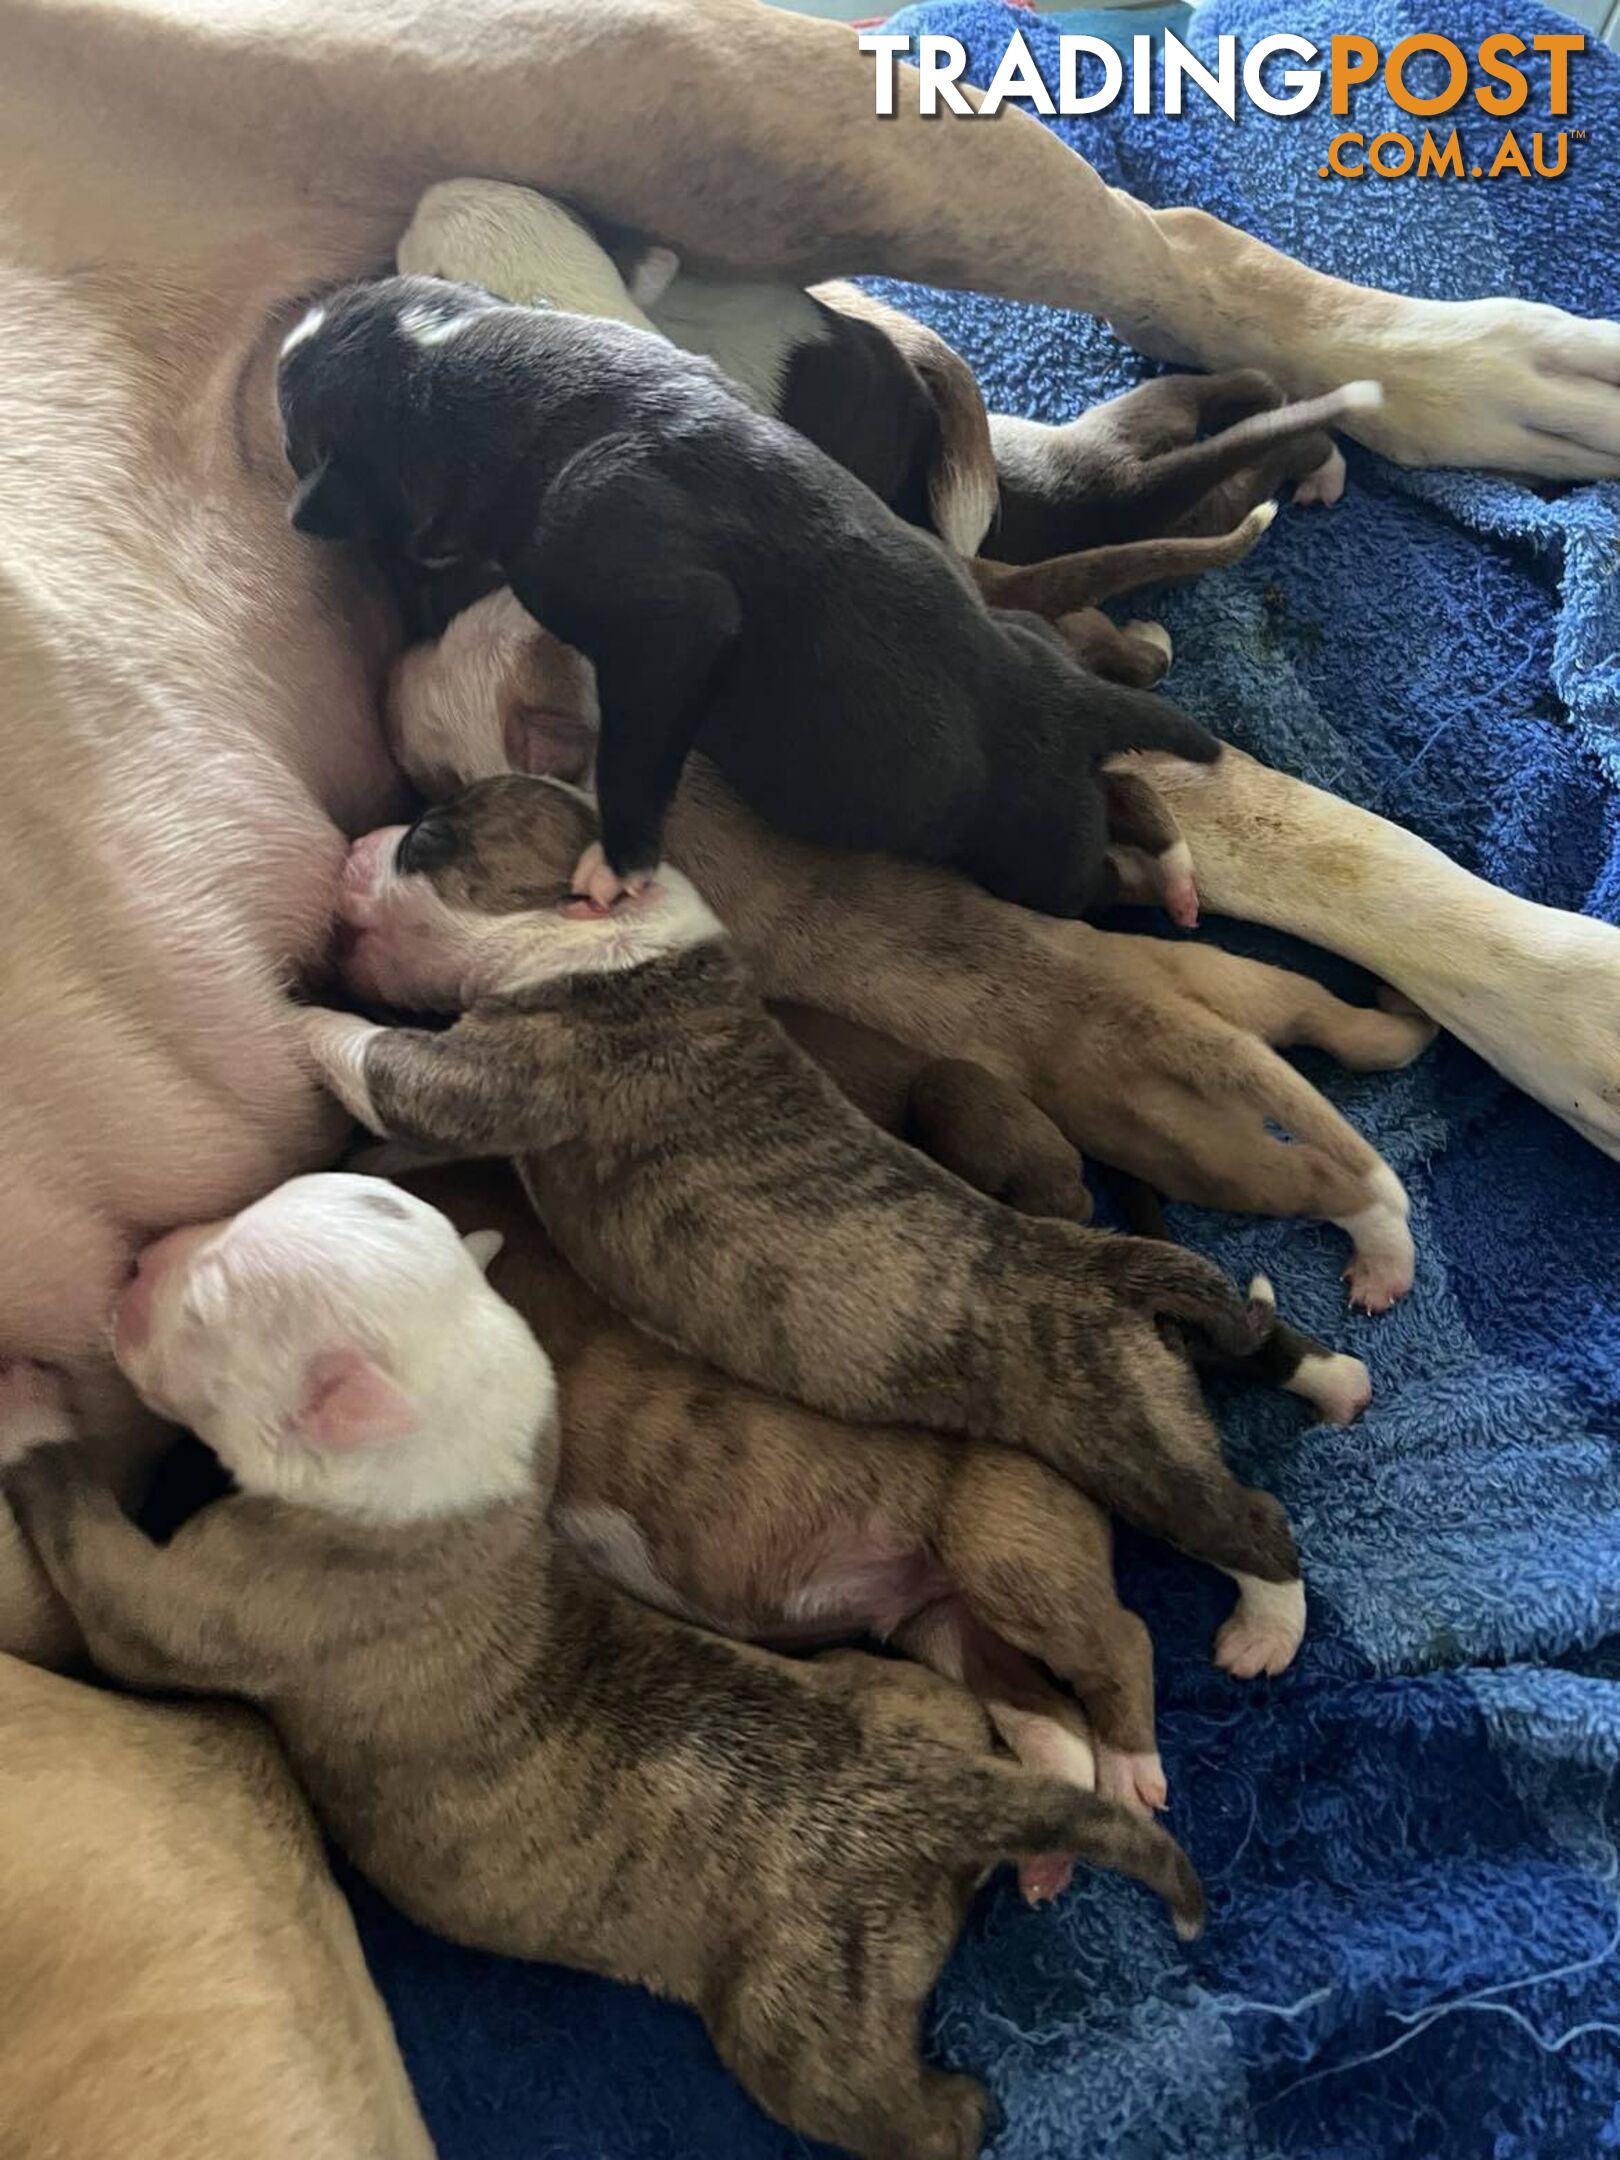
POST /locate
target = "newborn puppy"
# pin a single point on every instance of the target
(731, 585)
(769, 1521)
(986, 1132)
(781, 1525)
(1136, 469)
(515, 1753)
(999, 1142)
(884, 395)
(702, 1173)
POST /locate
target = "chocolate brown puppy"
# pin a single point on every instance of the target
(518, 1755)
(731, 585)
(701, 1172)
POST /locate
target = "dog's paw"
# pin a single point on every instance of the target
(1337, 1387)
(1378, 1280)
(1325, 485)
(1155, 635)
(1135, 1781)
(1264, 1630)
(1506, 383)
(598, 888)
(35, 1410)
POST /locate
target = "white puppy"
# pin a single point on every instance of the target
(335, 1314)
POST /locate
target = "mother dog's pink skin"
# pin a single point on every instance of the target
(188, 693)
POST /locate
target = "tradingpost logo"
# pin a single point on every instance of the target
(1499, 104)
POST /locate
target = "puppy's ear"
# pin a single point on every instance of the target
(484, 1246)
(348, 1401)
(548, 745)
(326, 504)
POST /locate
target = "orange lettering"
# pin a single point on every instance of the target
(1492, 61)
(1391, 172)
(1431, 159)
(1559, 49)
(1355, 61)
(1346, 172)
(1395, 66)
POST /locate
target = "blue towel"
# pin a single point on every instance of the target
(1409, 1839)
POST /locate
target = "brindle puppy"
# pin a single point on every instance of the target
(702, 1173)
(519, 1756)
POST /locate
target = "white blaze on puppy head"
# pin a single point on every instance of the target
(336, 1344)
(478, 900)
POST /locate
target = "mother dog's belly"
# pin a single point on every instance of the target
(188, 727)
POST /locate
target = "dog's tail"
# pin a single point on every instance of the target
(1120, 718)
(1177, 480)
(998, 1811)
(1174, 1284)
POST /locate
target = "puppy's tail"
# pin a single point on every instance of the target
(1007, 1813)
(1174, 1284)
(1120, 718)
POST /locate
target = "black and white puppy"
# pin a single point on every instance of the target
(731, 585)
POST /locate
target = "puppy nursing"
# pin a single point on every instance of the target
(517, 1754)
(1184, 1107)
(731, 585)
(695, 1166)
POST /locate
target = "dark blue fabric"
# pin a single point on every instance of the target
(1408, 1838)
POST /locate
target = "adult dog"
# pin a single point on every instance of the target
(190, 711)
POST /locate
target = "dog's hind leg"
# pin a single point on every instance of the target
(1064, 584)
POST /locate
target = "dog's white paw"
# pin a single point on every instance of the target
(1264, 1629)
(1505, 383)
(1338, 1388)
(1135, 1781)
(1384, 1257)
(1325, 485)
(1154, 634)
(35, 1410)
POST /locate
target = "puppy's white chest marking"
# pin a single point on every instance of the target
(611, 1543)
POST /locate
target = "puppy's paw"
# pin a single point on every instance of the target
(1378, 1280)
(1325, 485)
(598, 888)
(335, 1043)
(1264, 1630)
(1135, 1781)
(1178, 886)
(35, 1410)
(1338, 1388)
(1154, 634)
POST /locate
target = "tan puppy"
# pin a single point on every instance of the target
(1156, 1058)
(701, 1171)
(515, 1753)
(182, 1979)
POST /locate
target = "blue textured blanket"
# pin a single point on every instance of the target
(1410, 1838)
